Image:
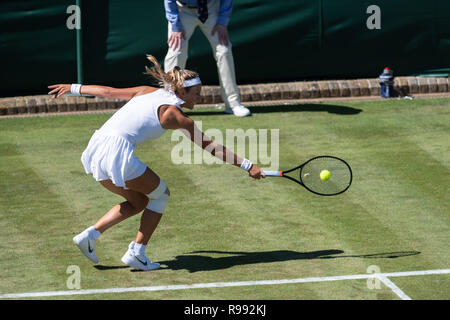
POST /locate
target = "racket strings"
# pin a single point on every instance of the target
(339, 180)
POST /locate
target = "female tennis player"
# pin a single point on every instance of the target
(110, 158)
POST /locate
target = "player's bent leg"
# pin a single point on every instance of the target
(158, 194)
(151, 216)
(135, 256)
(145, 183)
(135, 203)
(153, 187)
(158, 198)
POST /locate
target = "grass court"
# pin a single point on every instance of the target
(222, 226)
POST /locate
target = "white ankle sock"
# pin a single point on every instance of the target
(139, 249)
(93, 233)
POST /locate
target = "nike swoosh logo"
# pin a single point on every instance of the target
(89, 247)
(144, 263)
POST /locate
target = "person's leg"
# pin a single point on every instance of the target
(225, 65)
(146, 184)
(178, 57)
(150, 184)
(136, 202)
(149, 222)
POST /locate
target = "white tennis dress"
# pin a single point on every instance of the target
(110, 152)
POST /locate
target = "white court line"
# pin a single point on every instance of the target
(393, 287)
(381, 276)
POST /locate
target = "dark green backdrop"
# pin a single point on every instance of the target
(273, 41)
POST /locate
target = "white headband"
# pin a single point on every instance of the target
(191, 82)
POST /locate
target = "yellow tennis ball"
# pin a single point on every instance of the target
(325, 175)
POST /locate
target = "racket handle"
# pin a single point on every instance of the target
(273, 173)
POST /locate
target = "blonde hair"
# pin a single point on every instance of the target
(172, 80)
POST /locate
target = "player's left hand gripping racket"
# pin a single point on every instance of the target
(309, 175)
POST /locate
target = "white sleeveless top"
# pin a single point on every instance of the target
(110, 152)
(138, 120)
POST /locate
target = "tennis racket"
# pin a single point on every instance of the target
(309, 175)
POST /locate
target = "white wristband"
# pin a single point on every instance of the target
(75, 89)
(246, 164)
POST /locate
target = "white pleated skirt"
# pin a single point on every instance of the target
(111, 157)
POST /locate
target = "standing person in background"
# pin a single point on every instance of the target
(212, 16)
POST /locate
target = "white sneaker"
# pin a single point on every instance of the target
(140, 262)
(238, 111)
(86, 245)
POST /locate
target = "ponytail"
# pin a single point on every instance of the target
(172, 80)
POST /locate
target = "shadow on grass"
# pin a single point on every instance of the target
(335, 109)
(102, 267)
(195, 263)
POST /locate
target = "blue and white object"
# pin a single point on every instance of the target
(386, 81)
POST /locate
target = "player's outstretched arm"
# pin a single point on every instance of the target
(173, 118)
(59, 90)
